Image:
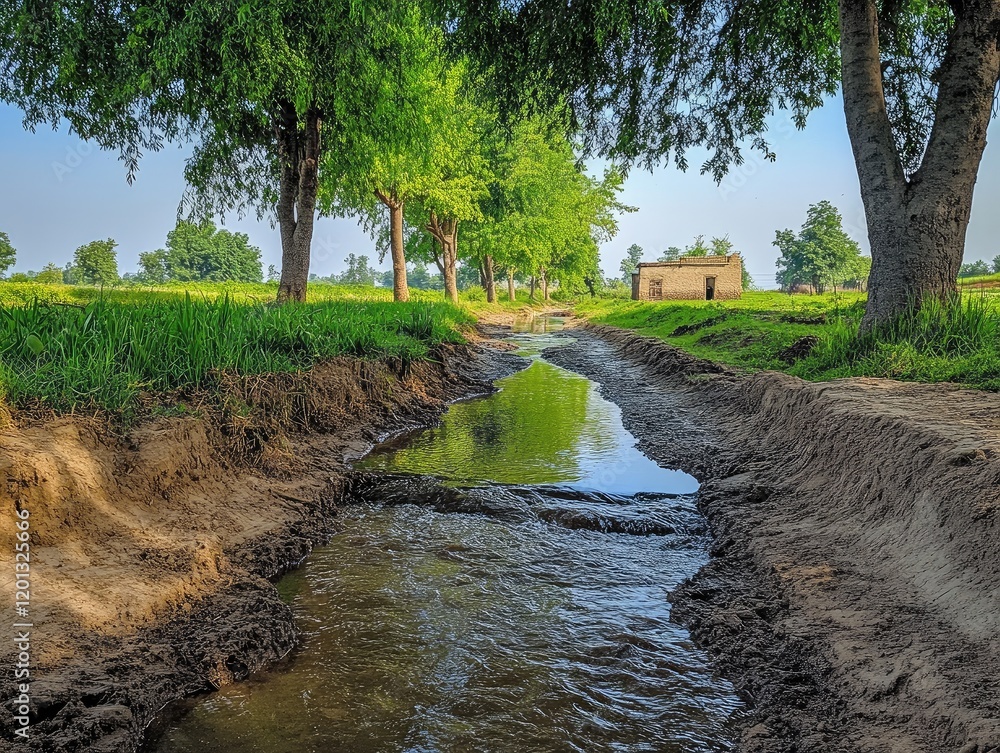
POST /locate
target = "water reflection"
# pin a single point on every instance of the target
(546, 425)
(538, 622)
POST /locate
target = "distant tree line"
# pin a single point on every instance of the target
(821, 255)
(194, 252)
(717, 246)
(979, 268)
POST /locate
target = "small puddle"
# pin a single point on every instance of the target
(499, 585)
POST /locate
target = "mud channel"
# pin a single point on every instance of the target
(499, 583)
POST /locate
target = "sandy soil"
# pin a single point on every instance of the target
(854, 592)
(150, 553)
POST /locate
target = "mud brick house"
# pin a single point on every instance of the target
(697, 278)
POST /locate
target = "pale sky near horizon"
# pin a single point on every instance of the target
(58, 193)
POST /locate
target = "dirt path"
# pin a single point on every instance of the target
(854, 592)
(151, 553)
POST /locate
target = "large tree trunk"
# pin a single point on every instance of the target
(400, 289)
(298, 153)
(489, 279)
(531, 292)
(917, 225)
(511, 291)
(446, 233)
(545, 284)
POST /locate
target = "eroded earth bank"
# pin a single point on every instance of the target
(852, 595)
(853, 591)
(151, 552)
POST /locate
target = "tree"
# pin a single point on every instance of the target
(358, 272)
(821, 254)
(672, 253)
(648, 82)
(996, 265)
(259, 90)
(720, 246)
(50, 275)
(633, 255)
(97, 262)
(8, 255)
(153, 267)
(201, 252)
(543, 216)
(698, 248)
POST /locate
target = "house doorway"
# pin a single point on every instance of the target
(709, 288)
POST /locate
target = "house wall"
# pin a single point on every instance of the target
(685, 280)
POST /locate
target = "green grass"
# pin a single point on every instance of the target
(75, 349)
(956, 344)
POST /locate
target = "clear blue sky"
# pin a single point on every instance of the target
(57, 194)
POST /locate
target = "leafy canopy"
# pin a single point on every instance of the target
(647, 82)
(821, 254)
(96, 262)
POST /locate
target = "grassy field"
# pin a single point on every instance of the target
(69, 348)
(815, 337)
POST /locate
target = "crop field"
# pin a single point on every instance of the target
(69, 348)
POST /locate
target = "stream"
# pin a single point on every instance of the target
(499, 584)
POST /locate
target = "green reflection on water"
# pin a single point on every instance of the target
(545, 426)
(538, 429)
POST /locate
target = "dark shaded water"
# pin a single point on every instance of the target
(515, 602)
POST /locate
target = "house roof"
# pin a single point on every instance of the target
(693, 261)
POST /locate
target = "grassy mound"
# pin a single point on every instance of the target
(816, 337)
(70, 354)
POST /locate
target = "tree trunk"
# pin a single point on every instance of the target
(489, 279)
(511, 291)
(531, 294)
(298, 154)
(917, 224)
(545, 284)
(400, 289)
(446, 233)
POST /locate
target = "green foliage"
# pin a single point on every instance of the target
(544, 215)
(648, 82)
(105, 354)
(50, 275)
(821, 255)
(633, 255)
(96, 263)
(358, 272)
(200, 252)
(8, 255)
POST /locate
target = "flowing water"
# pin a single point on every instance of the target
(499, 585)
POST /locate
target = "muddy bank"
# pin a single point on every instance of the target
(151, 552)
(853, 594)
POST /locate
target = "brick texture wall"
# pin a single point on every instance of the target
(686, 279)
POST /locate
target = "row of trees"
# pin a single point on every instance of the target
(979, 268)
(281, 97)
(93, 263)
(325, 109)
(194, 252)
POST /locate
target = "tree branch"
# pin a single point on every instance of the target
(967, 81)
(864, 99)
